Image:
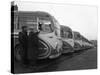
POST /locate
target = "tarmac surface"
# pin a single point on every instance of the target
(83, 59)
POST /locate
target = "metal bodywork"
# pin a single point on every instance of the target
(87, 42)
(67, 38)
(50, 44)
(54, 39)
(81, 40)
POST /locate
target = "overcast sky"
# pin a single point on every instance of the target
(80, 18)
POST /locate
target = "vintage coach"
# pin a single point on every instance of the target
(50, 44)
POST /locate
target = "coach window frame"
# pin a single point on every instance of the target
(39, 19)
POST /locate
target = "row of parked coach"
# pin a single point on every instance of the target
(54, 39)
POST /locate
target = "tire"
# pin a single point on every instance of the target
(18, 53)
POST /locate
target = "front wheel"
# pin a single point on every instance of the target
(18, 53)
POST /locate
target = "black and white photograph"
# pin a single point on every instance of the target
(50, 37)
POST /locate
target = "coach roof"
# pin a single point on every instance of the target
(33, 13)
(65, 28)
(76, 33)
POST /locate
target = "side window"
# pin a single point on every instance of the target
(79, 36)
(29, 21)
(63, 34)
(70, 34)
(66, 34)
(32, 23)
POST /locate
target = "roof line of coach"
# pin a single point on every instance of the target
(63, 26)
(37, 12)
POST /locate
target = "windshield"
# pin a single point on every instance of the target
(77, 36)
(45, 25)
(66, 34)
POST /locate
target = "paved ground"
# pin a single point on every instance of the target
(85, 59)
